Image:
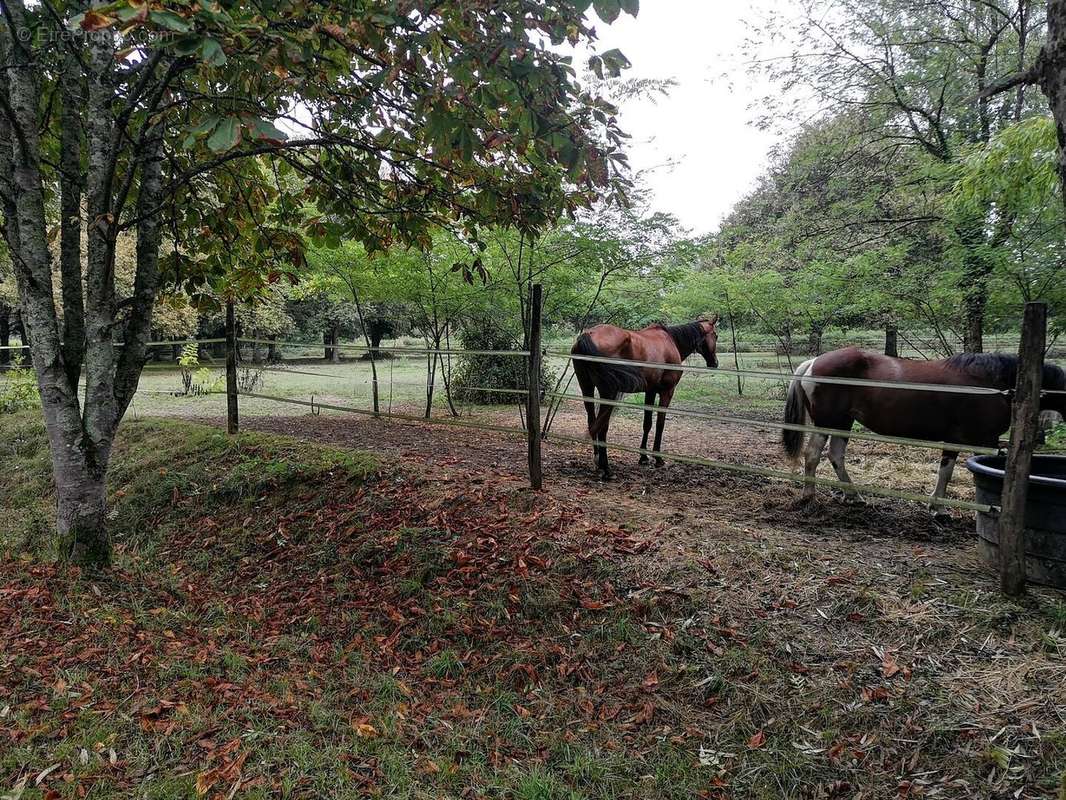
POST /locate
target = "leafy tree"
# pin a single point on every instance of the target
(398, 117)
(919, 72)
(1015, 175)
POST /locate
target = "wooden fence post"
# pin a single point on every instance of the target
(1025, 423)
(536, 476)
(232, 425)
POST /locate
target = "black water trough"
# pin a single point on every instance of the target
(1045, 515)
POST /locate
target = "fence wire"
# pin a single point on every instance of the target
(785, 376)
(768, 472)
(462, 394)
(757, 423)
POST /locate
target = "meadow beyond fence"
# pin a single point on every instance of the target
(298, 375)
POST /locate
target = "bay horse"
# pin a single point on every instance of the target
(977, 420)
(661, 344)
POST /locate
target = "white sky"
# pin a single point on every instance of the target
(698, 141)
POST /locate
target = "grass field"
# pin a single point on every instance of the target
(303, 374)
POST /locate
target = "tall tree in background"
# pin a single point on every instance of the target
(1048, 71)
(400, 115)
(918, 71)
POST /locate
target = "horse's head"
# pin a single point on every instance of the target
(708, 345)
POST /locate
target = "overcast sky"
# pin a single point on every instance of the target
(699, 142)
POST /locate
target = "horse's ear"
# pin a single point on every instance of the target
(713, 320)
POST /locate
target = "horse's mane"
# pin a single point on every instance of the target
(687, 335)
(1001, 369)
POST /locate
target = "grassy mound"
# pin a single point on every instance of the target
(155, 465)
(284, 620)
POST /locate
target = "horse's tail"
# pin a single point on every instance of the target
(796, 411)
(610, 379)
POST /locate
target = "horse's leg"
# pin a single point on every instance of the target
(599, 432)
(665, 396)
(838, 445)
(811, 457)
(588, 389)
(649, 400)
(943, 477)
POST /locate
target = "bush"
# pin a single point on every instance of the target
(1056, 438)
(477, 375)
(18, 388)
(197, 380)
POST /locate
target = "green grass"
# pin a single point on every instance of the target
(155, 464)
(1056, 439)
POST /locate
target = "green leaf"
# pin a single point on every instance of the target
(212, 52)
(614, 61)
(226, 136)
(631, 7)
(170, 21)
(129, 13)
(185, 45)
(265, 131)
(607, 10)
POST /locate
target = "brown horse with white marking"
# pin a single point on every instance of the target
(660, 344)
(977, 420)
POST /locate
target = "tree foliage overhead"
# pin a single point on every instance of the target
(220, 134)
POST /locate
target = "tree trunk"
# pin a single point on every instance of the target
(892, 340)
(334, 337)
(5, 335)
(70, 185)
(232, 422)
(81, 512)
(973, 340)
(814, 340)
(974, 286)
(431, 377)
(1051, 67)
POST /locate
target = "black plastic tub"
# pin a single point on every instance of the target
(1045, 515)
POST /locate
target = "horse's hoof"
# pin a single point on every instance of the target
(643, 461)
(659, 462)
(855, 500)
(940, 516)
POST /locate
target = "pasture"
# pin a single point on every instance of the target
(330, 603)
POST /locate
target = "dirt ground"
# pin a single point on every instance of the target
(675, 494)
(691, 632)
(856, 595)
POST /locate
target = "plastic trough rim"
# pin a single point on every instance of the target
(977, 468)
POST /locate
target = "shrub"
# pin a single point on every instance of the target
(189, 358)
(197, 380)
(477, 375)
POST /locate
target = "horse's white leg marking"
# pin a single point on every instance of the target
(810, 461)
(837, 447)
(807, 387)
(943, 477)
